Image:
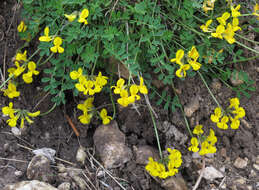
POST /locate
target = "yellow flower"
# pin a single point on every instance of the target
(240, 112)
(87, 105)
(11, 91)
(194, 145)
(142, 88)
(119, 87)
(57, 48)
(193, 55)
(70, 17)
(219, 31)
(234, 103)
(234, 123)
(12, 121)
(206, 26)
(124, 100)
(32, 71)
(229, 34)
(181, 72)
(85, 118)
(178, 57)
(76, 74)
(101, 80)
(222, 20)
(22, 123)
(34, 114)
(83, 15)
(216, 116)
(21, 57)
(175, 157)
(223, 123)
(198, 130)
(106, 119)
(134, 93)
(235, 12)
(46, 37)
(22, 27)
(256, 8)
(212, 138)
(8, 110)
(235, 23)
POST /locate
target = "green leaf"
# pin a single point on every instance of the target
(45, 79)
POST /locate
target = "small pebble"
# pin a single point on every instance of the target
(18, 173)
(256, 166)
(240, 163)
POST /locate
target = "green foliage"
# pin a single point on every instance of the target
(142, 35)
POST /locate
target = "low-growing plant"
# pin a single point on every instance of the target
(86, 43)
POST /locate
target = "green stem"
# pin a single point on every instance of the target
(92, 72)
(11, 76)
(156, 133)
(240, 36)
(113, 105)
(33, 55)
(46, 59)
(50, 110)
(212, 95)
(247, 47)
(250, 14)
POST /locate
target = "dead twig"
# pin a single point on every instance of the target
(201, 175)
(72, 125)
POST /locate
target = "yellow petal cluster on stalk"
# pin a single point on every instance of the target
(57, 45)
(233, 113)
(16, 114)
(192, 58)
(207, 145)
(46, 37)
(208, 5)
(89, 86)
(70, 17)
(163, 171)
(27, 77)
(130, 97)
(86, 107)
(256, 10)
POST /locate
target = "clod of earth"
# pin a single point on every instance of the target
(142, 153)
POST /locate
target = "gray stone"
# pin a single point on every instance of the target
(211, 173)
(192, 106)
(30, 185)
(174, 183)
(142, 153)
(240, 163)
(64, 186)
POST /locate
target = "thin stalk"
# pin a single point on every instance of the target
(156, 133)
(212, 95)
(247, 47)
(113, 105)
(50, 110)
(11, 76)
(46, 59)
(252, 41)
(241, 60)
(92, 72)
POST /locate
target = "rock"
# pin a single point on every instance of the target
(216, 84)
(257, 69)
(30, 185)
(252, 174)
(81, 155)
(240, 181)
(240, 163)
(171, 131)
(211, 173)
(142, 153)
(18, 173)
(79, 181)
(246, 124)
(110, 144)
(223, 152)
(256, 166)
(61, 168)
(235, 79)
(174, 183)
(16, 131)
(47, 152)
(192, 106)
(257, 159)
(64, 186)
(39, 169)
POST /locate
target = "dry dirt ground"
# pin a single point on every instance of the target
(53, 130)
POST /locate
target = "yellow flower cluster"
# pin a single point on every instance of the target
(121, 89)
(88, 111)
(207, 145)
(22, 27)
(157, 169)
(192, 58)
(57, 41)
(225, 30)
(86, 85)
(233, 113)
(15, 114)
(82, 17)
(31, 66)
